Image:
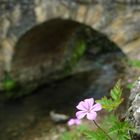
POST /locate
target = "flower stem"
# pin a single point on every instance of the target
(102, 130)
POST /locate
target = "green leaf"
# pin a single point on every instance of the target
(120, 130)
(96, 135)
(116, 92)
(115, 98)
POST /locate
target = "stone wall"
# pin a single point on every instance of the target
(133, 113)
(118, 19)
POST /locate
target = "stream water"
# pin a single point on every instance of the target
(17, 117)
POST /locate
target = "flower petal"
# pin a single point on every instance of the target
(77, 121)
(71, 122)
(91, 116)
(97, 107)
(80, 114)
(82, 106)
(89, 103)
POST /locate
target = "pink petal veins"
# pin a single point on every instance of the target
(82, 106)
(89, 102)
(88, 108)
(97, 107)
(80, 114)
(91, 116)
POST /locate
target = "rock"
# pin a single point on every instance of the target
(58, 118)
(133, 113)
(52, 50)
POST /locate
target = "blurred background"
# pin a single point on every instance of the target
(54, 53)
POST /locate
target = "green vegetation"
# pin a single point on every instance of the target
(130, 86)
(77, 52)
(115, 99)
(111, 127)
(9, 85)
(134, 63)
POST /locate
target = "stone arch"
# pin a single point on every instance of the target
(109, 17)
(58, 48)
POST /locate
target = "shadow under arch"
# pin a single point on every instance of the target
(49, 36)
(59, 48)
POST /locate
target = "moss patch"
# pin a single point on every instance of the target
(77, 52)
(9, 85)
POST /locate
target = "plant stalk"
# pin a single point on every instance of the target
(102, 130)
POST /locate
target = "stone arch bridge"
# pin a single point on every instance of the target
(119, 20)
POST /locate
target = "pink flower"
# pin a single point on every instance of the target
(129, 81)
(74, 121)
(88, 108)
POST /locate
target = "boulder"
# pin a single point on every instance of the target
(133, 113)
